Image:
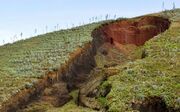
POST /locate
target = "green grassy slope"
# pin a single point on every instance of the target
(23, 62)
(156, 75)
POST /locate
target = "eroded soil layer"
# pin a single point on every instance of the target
(77, 70)
(134, 31)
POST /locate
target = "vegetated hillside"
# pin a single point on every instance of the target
(146, 78)
(157, 76)
(141, 78)
(23, 62)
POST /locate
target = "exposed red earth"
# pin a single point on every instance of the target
(136, 31)
(128, 33)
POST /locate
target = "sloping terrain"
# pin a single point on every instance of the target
(152, 83)
(126, 76)
(24, 62)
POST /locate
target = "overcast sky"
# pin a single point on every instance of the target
(25, 16)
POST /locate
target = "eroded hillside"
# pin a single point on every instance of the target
(122, 69)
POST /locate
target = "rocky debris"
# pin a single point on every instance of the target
(57, 95)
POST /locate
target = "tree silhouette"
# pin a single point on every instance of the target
(46, 28)
(174, 6)
(163, 6)
(89, 20)
(106, 17)
(96, 18)
(21, 34)
(35, 31)
(115, 16)
(57, 26)
(92, 19)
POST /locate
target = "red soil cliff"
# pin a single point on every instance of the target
(135, 31)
